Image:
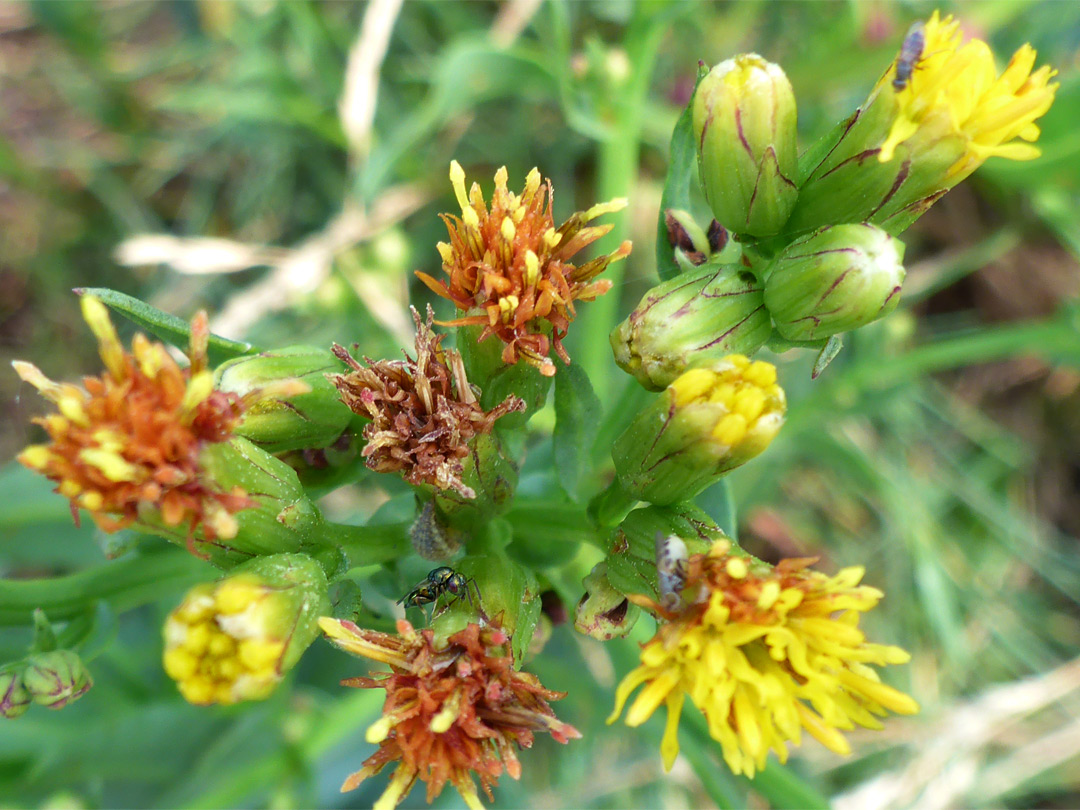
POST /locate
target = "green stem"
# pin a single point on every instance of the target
(545, 522)
(124, 584)
(613, 504)
(368, 545)
(617, 167)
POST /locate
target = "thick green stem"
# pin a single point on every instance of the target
(368, 545)
(124, 584)
(545, 522)
(613, 504)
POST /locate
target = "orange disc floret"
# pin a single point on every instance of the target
(129, 439)
(509, 267)
(451, 710)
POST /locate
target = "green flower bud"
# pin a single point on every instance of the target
(291, 405)
(835, 280)
(235, 639)
(15, 698)
(604, 613)
(55, 679)
(278, 517)
(706, 423)
(691, 244)
(690, 320)
(744, 121)
(632, 559)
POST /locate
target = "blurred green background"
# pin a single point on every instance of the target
(232, 156)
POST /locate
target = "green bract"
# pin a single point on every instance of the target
(55, 679)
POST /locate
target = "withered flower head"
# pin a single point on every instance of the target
(423, 412)
(510, 269)
(130, 438)
(450, 711)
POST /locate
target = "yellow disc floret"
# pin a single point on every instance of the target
(219, 643)
(742, 396)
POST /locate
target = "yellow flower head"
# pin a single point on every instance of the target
(510, 269)
(131, 437)
(764, 652)
(235, 639)
(954, 90)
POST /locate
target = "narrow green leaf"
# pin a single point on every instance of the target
(681, 175)
(827, 355)
(786, 789)
(169, 328)
(577, 412)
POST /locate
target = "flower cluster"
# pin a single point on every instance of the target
(509, 267)
(451, 710)
(765, 653)
(130, 439)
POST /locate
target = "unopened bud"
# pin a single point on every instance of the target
(604, 613)
(690, 243)
(290, 404)
(15, 698)
(744, 122)
(706, 423)
(833, 281)
(235, 639)
(691, 319)
(55, 679)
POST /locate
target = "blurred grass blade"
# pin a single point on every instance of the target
(169, 328)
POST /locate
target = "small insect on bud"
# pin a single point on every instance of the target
(911, 51)
(671, 557)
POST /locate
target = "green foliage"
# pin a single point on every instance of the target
(938, 449)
